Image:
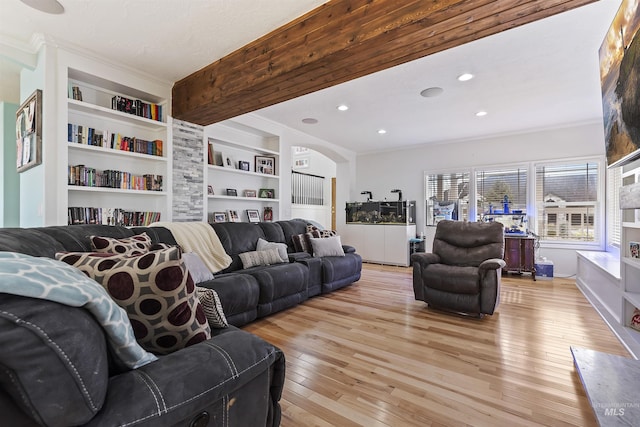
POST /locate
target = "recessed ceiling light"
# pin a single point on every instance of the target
(430, 92)
(310, 121)
(382, 131)
(481, 113)
(46, 6)
(465, 77)
(343, 107)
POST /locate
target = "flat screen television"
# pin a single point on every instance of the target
(620, 81)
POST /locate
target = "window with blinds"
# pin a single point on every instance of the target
(567, 201)
(307, 189)
(497, 186)
(447, 197)
(614, 182)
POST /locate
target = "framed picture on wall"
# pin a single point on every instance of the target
(301, 163)
(29, 132)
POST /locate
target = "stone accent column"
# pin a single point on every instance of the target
(188, 172)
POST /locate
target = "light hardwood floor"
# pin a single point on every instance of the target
(370, 355)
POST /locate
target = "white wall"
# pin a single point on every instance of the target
(319, 165)
(33, 181)
(404, 169)
(344, 159)
(9, 178)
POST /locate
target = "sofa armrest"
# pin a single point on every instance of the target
(491, 264)
(56, 374)
(348, 249)
(314, 285)
(234, 366)
(425, 258)
(297, 256)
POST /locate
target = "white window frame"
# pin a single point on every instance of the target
(532, 208)
(614, 216)
(599, 205)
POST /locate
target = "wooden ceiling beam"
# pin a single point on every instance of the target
(340, 41)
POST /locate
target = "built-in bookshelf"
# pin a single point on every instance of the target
(243, 172)
(118, 170)
(630, 255)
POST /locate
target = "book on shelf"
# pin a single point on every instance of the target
(85, 135)
(83, 176)
(137, 107)
(75, 93)
(110, 216)
(210, 154)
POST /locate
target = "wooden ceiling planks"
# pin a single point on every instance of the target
(340, 41)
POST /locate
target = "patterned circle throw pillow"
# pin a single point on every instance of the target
(134, 245)
(156, 291)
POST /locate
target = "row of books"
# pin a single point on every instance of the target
(137, 107)
(84, 176)
(110, 216)
(76, 93)
(89, 136)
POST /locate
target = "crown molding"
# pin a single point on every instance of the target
(18, 51)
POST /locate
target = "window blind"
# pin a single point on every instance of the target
(493, 186)
(566, 198)
(447, 197)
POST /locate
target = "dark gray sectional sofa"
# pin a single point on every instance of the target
(62, 373)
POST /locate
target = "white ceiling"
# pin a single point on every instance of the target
(541, 75)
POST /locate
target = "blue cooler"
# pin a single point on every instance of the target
(544, 269)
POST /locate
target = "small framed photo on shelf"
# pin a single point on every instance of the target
(250, 193)
(233, 215)
(266, 165)
(219, 217)
(244, 166)
(232, 192)
(634, 322)
(210, 190)
(267, 214)
(253, 215)
(218, 158)
(266, 193)
(634, 250)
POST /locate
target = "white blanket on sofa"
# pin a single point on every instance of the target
(199, 237)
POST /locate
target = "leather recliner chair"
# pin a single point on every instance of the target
(462, 274)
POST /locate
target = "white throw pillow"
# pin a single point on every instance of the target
(263, 245)
(327, 246)
(199, 272)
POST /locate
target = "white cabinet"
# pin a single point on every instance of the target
(396, 243)
(118, 166)
(383, 244)
(246, 170)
